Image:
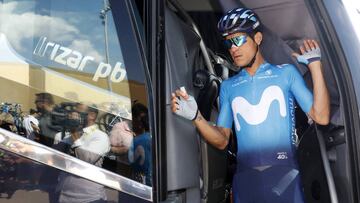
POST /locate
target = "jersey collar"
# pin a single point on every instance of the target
(263, 67)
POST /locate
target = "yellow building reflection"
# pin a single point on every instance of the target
(20, 82)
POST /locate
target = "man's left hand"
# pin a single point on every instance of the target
(310, 52)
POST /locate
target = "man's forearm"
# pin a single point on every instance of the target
(119, 150)
(320, 111)
(185, 106)
(217, 137)
(87, 156)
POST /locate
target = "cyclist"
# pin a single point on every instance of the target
(260, 101)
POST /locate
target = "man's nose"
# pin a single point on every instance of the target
(233, 48)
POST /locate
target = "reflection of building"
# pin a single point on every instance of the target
(19, 81)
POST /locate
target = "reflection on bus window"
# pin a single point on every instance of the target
(65, 84)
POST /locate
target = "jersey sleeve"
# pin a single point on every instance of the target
(298, 88)
(225, 118)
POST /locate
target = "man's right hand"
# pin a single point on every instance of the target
(183, 104)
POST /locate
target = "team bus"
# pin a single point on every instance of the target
(85, 93)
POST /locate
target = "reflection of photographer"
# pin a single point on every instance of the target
(88, 143)
(71, 117)
(45, 104)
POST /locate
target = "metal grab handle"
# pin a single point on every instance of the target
(328, 173)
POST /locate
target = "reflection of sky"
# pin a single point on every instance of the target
(353, 10)
(62, 22)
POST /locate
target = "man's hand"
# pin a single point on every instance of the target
(139, 155)
(35, 127)
(310, 52)
(320, 110)
(75, 135)
(183, 104)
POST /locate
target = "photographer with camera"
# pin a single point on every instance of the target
(87, 142)
(69, 116)
(45, 104)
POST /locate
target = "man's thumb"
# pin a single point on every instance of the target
(184, 93)
(294, 54)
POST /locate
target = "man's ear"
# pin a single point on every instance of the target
(258, 37)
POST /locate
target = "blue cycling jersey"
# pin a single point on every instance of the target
(262, 109)
(145, 168)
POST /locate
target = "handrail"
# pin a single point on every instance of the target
(327, 169)
(202, 44)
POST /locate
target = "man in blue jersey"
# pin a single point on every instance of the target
(260, 102)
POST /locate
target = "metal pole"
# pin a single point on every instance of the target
(327, 168)
(103, 14)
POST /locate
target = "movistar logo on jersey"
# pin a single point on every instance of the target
(257, 113)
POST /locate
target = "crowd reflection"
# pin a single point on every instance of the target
(75, 129)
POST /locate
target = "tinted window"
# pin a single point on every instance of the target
(21, 181)
(65, 83)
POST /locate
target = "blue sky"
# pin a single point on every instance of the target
(72, 24)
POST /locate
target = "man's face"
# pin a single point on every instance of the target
(40, 104)
(81, 108)
(91, 116)
(137, 124)
(244, 51)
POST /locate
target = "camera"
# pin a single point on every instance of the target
(67, 116)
